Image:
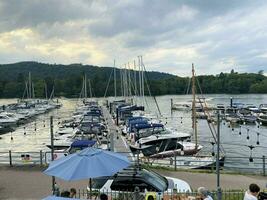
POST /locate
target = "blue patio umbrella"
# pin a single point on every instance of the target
(86, 164)
(58, 198)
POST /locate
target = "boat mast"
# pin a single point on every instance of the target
(33, 93)
(142, 78)
(194, 121)
(125, 82)
(85, 86)
(129, 80)
(45, 89)
(135, 81)
(52, 93)
(121, 79)
(90, 88)
(115, 86)
(30, 86)
(139, 78)
(27, 90)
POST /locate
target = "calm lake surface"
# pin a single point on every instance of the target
(233, 143)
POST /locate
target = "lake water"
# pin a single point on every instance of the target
(232, 142)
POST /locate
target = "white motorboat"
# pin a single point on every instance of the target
(263, 108)
(263, 119)
(159, 143)
(7, 121)
(181, 106)
(188, 162)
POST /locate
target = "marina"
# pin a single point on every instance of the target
(113, 137)
(133, 100)
(232, 141)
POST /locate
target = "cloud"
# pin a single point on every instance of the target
(215, 35)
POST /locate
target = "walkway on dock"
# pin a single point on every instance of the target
(120, 144)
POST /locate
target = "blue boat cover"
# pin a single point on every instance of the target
(144, 126)
(83, 143)
(135, 118)
(137, 121)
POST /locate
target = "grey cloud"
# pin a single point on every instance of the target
(30, 13)
(217, 30)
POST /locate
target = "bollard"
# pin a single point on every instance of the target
(117, 116)
(10, 158)
(175, 164)
(263, 165)
(41, 157)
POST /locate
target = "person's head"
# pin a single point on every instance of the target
(72, 192)
(65, 194)
(203, 192)
(254, 189)
(150, 197)
(103, 197)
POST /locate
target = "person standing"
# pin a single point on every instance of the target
(252, 193)
(72, 192)
(204, 194)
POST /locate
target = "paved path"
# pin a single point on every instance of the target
(228, 181)
(31, 183)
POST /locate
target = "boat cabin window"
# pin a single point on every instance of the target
(151, 130)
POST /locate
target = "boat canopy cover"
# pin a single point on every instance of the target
(238, 105)
(132, 124)
(135, 118)
(131, 108)
(83, 143)
(92, 113)
(145, 126)
(137, 121)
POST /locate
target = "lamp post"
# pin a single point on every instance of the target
(52, 150)
(219, 192)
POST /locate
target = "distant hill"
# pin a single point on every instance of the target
(41, 70)
(67, 80)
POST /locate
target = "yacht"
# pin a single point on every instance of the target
(7, 121)
(263, 119)
(159, 143)
(263, 107)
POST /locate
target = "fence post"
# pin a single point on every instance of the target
(263, 165)
(10, 158)
(41, 157)
(175, 165)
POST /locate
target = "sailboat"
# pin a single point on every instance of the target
(196, 161)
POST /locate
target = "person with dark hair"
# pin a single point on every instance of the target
(204, 193)
(150, 197)
(103, 196)
(72, 192)
(252, 193)
(65, 194)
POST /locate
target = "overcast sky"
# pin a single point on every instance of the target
(215, 35)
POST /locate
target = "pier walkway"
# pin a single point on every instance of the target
(119, 142)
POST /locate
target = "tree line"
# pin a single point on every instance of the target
(67, 81)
